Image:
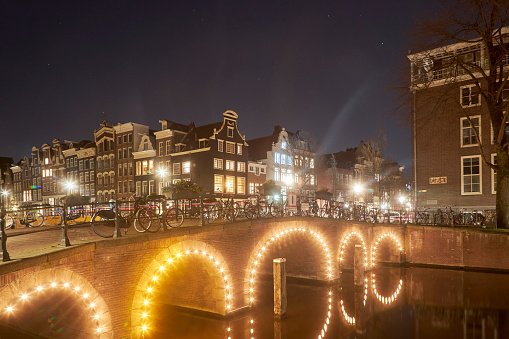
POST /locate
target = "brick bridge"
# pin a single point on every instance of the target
(216, 268)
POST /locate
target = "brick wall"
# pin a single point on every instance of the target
(118, 273)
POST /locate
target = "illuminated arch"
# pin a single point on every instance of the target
(353, 234)
(140, 316)
(14, 296)
(269, 240)
(390, 236)
(386, 300)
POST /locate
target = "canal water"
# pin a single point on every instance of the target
(392, 303)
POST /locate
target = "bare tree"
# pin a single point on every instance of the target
(372, 150)
(481, 59)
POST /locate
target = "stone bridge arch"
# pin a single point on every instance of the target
(149, 286)
(274, 238)
(19, 295)
(392, 252)
(351, 237)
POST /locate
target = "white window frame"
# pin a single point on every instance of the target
(220, 145)
(241, 166)
(469, 128)
(230, 165)
(218, 183)
(186, 167)
(176, 168)
(232, 190)
(463, 176)
(230, 147)
(241, 185)
(218, 163)
(470, 96)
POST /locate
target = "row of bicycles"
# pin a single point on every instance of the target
(148, 214)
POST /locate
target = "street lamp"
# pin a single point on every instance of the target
(69, 186)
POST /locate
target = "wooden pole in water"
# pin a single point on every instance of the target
(280, 296)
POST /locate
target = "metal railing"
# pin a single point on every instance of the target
(63, 216)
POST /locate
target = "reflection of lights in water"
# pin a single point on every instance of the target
(145, 315)
(345, 242)
(25, 297)
(272, 240)
(381, 238)
(351, 320)
(327, 320)
(275, 237)
(386, 300)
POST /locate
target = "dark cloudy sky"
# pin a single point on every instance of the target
(322, 66)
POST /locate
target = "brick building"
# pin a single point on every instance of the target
(447, 165)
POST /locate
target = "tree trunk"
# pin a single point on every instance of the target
(502, 203)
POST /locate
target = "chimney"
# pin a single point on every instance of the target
(191, 126)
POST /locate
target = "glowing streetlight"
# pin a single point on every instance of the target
(402, 199)
(357, 188)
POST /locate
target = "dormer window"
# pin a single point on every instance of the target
(230, 132)
(46, 161)
(283, 144)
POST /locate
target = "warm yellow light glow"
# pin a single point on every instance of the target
(85, 295)
(161, 268)
(39, 288)
(9, 309)
(96, 316)
(145, 302)
(24, 296)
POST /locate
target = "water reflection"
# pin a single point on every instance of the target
(393, 303)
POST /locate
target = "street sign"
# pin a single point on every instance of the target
(408, 187)
(292, 202)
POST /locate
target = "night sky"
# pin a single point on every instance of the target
(323, 66)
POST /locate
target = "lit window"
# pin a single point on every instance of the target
(467, 132)
(239, 149)
(150, 167)
(277, 158)
(470, 96)
(251, 188)
(241, 166)
(283, 144)
(311, 179)
(241, 185)
(218, 183)
(311, 163)
(290, 160)
(283, 159)
(471, 175)
(230, 165)
(220, 145)
(230, 184)
(138, 167)
(277, 174)
(176, 169)
(230, 147)
(186, 167)
(145, 167)
(218, 163)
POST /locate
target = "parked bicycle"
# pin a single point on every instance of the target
(29, 217)
(143, 219)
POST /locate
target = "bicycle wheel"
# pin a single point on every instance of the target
(148, 220)
(213, 214)
(174, 217)
(275, 210)
(10, 222)
(35, 219)
(103, 224)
